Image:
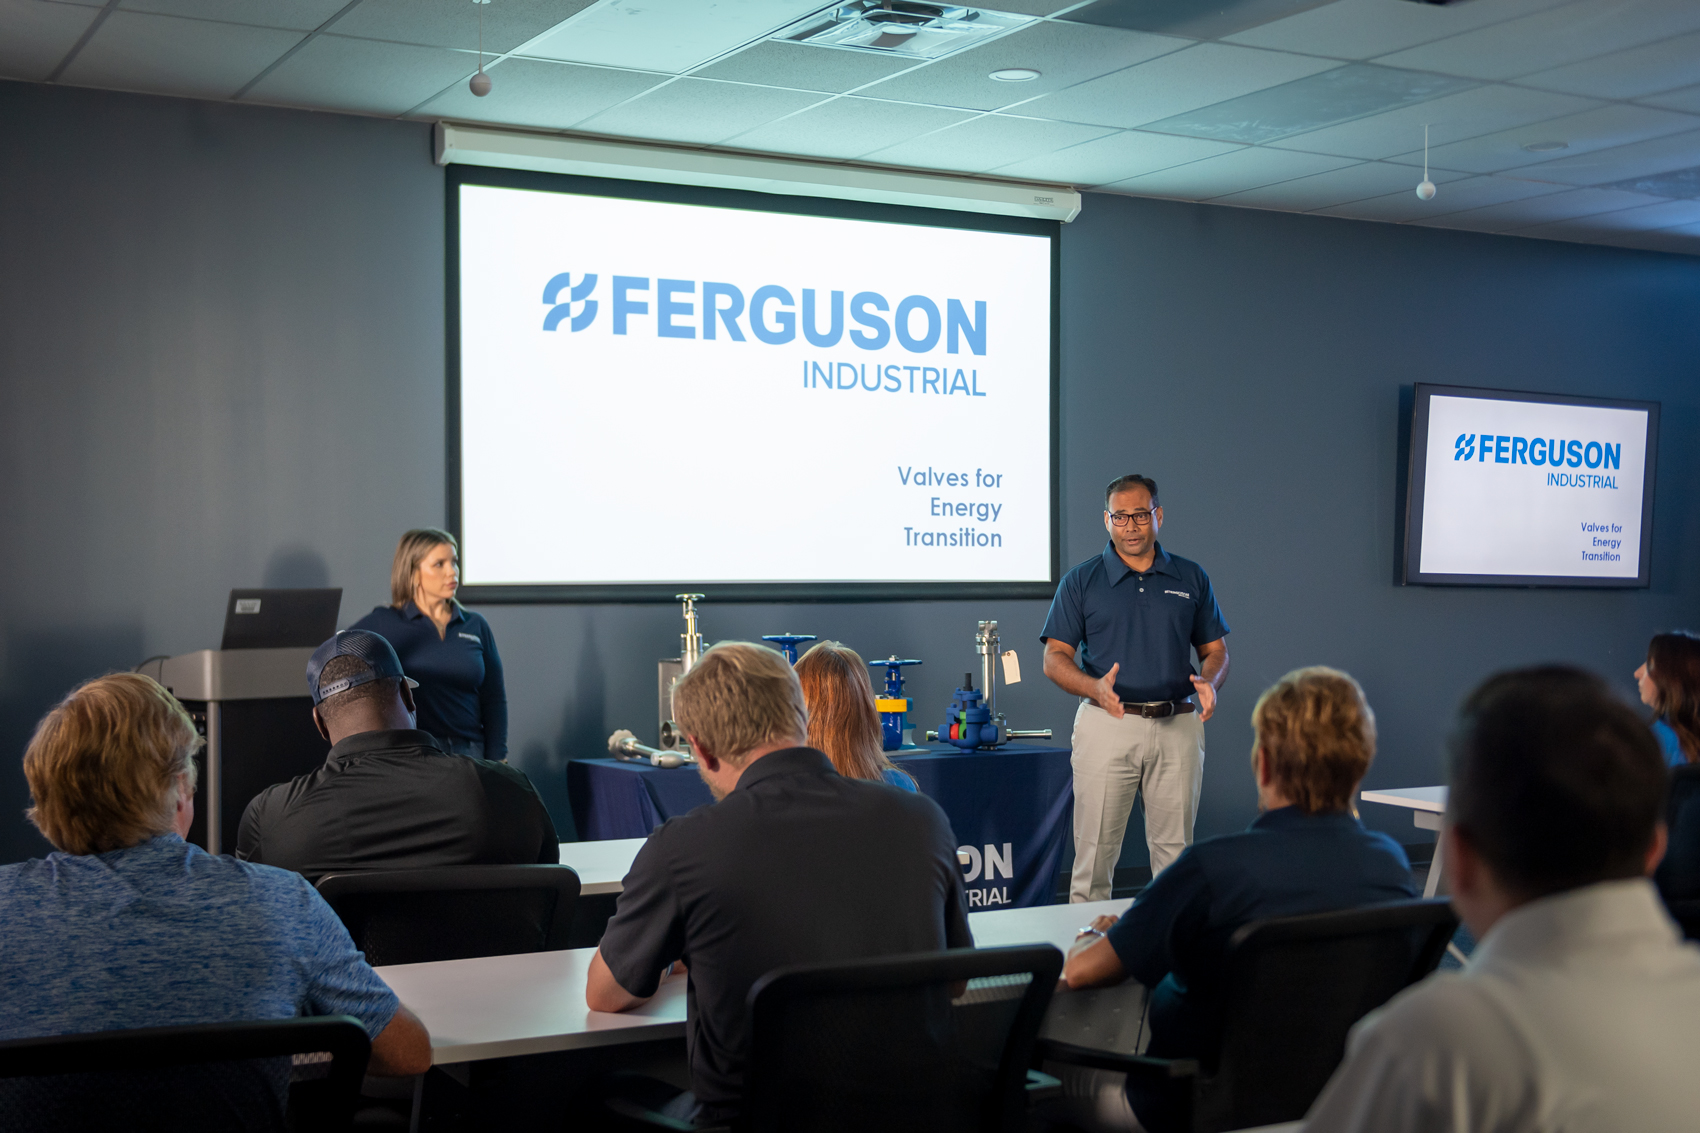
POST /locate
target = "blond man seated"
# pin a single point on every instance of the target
(130, 926)
(1306, 853)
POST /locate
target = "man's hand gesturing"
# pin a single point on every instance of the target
(1104, 692)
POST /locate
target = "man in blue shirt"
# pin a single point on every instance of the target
(130, 926)
(1306, 853)
(1120, 635)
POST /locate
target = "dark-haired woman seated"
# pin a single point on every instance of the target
(1670, 686)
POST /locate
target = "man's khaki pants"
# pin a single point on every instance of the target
(1161, 762)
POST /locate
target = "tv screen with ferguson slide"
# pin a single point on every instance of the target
(656, 388)
(1529, 489)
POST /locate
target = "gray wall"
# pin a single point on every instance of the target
(221, 342)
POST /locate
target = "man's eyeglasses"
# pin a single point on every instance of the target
(1137, 518)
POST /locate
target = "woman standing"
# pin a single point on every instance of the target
(843, 721)
(447, 648)
(1669, 682)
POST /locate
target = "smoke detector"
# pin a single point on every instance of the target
(910, 28)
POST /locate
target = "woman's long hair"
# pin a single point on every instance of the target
(843, 721)
(1673, 661)
(409, 553)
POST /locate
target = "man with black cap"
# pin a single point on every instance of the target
(389, 796)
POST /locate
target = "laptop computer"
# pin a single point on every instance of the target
(280, 619)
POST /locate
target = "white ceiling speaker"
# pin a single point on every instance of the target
(1545, 147)
(1425, 190)
(479, 84)
(1014, 75)
(583, 157)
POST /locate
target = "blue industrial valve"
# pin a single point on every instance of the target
(893, 706)
(788, 642)
(971, 724)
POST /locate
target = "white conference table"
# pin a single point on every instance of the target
(1426, 804)
(504, 1006)
(602, 866)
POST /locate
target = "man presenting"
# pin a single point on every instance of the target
(1134, 614)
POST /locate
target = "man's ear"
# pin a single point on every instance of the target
(1656, 852)
(319, 724)
(1260, 766)
(407, 697)
(1463, 864)
(706, 758)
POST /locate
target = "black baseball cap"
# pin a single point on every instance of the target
(376, 651)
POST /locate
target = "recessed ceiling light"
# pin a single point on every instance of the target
(1545, 147)
(1014, 74)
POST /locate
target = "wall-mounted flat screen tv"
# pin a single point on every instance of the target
(1528, 489)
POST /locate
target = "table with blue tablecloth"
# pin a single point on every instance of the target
(1011, 809)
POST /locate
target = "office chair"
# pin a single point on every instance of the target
(1687, 916)
(935, 1042)
(1295, 986)
(411, 916)
(207, 1078)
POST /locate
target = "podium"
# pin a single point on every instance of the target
(252, 707)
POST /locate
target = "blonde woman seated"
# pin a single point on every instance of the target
(843, 721)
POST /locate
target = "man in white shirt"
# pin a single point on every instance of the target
(1580, 1010)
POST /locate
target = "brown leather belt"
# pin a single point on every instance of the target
(1157, 709)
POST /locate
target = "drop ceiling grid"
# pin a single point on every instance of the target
(1545, 63)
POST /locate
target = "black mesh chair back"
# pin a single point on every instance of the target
(1296, 985)
(1687, 916)
(211, 1078)
(936, 1042)
(411, 916)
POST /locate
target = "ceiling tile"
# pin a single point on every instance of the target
(1543, 209)
(1246, 168)
(774, 63)
(37, 36)
(362, 75)
(1620, 163)
(1683, 241)
(1116, 158)
(1682, 184)
(1468, 114)
(1335, 187)
(1457, 196)
(985, 143)
(1188, 17)
(847, 127)
(134, 51)
(1645, 70)
(1183, 80)
(454, 23)
(1033, 7)
(1646, 218)
(1363, 29)
(699, 111)
(1688, 98)
(1356, 90)
(530, 92)
(289, 15)
(1590, 130)
(666, 35)
(1552, 38)
(1064, 54)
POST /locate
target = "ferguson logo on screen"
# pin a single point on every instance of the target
(991, 864)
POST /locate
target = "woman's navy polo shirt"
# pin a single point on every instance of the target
(1148, 623)
(461, 694)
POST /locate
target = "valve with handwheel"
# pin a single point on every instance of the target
(893, 706)
(788, 642)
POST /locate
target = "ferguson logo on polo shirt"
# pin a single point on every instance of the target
(994, 864)
(1179, 594)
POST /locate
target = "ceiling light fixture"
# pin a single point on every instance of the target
(918, 29)
(1425, 190)
(479, 84)
(1014, 75)
(1545, 147)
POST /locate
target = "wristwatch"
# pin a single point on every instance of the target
(1088, 931)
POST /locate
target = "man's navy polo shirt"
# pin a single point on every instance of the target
(1149, 622)
(1174, 938)
(461, 694)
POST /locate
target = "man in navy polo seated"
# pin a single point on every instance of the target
(389, 796)
(1306, 853)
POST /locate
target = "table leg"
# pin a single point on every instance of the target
(1436, 865)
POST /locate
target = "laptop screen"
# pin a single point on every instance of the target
(280, 619)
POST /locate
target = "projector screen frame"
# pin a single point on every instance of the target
(1414, 492)
(648, 592)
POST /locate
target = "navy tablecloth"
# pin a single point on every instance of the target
(1011, 810)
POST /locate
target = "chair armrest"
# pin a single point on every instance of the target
(1042, 1087)
(1162, 1069)
(638, 1115)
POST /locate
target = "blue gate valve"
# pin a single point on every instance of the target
(788, 642)
(893, 706)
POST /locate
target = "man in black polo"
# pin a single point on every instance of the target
(795, 864)
(389, 796)
(1120, 636)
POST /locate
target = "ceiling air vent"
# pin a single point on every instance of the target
(902, 27)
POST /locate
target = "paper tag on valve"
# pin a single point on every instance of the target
(1011, 668)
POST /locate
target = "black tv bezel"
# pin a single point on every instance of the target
(1415, 492)
(801, 591)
